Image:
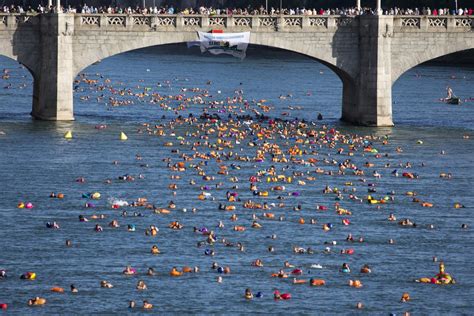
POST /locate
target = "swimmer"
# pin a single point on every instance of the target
(131, 304)
(150, 272)
(147, 305)
(282, 274)
(74, 289)
(141, 285)
(365, 269)
(106, 284)
(155, 250)
(286, 264)
(248, 294)
(129, 270)
(37, 301)
(405, 297)
(345, 268)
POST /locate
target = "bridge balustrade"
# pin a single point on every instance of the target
(318, 23)
(200, 22)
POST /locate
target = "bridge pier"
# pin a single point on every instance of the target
(367, 100)
(52, 89)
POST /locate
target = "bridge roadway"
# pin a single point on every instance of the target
(368, 53)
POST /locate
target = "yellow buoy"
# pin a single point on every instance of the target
(123, 136)
(68, 135)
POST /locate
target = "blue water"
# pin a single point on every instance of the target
(35, 160)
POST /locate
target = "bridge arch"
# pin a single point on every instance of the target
(402, 61)
(337, 50)
(86, 55)
(31, 68)
(16, 78)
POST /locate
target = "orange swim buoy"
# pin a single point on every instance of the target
(299, 281)
(57, 289)
(317, 282)
(187, 269)
(355, 283)
(239, 228)
(175, 273)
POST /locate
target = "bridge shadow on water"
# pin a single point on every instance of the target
(285, 79)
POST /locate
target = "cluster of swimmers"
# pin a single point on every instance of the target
(270, 194)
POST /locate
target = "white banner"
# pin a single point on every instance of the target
(234, 44)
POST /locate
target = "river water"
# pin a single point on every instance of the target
(35, 160)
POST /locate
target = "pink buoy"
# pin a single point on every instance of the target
(278, 296)
(285, 296)
(29, 205)
(130, 271)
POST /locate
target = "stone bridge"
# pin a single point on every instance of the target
(368, 53)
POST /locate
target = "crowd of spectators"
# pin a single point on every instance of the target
(237, 11)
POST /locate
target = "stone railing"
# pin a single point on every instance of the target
(16, 20)
(263, 23)
(434, 23)
(200, 22)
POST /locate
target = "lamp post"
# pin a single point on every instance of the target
(266, 6)
(358, 6)
(281, 6)
(379, 7)
(456, 4)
